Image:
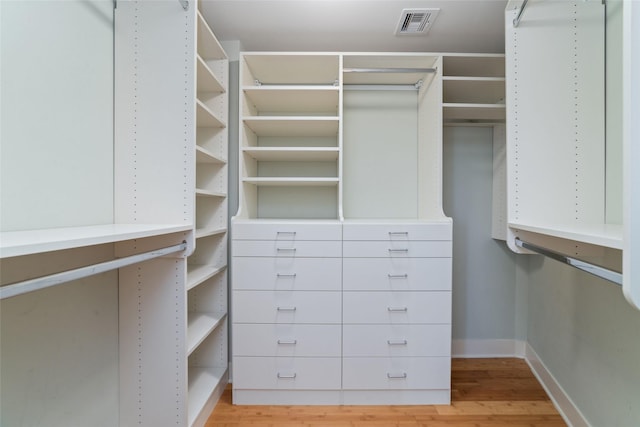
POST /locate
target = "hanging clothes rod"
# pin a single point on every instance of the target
(38, 283)
(596, 270)
(185, 4)
(390, 70)
(516, 20)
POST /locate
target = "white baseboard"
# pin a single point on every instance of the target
(569, 411)
(521, 349)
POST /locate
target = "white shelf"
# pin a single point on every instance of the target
(206, 118)
(208, 46)
(206, 80)
(205, 156)
(200, 325)
(298, 99)
(606, 235)
(209, 232)
(476, 90)
(207, 193)
(17, 243)
(286, 154)
(292, 182)
(198, 273)
(291, 68)
(468, 111)
(203, 383)
(292, 126)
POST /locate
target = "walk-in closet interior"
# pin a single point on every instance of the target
(298, 202)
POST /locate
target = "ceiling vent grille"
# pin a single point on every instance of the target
(416, 21)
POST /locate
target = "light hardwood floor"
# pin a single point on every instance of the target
(485, 392)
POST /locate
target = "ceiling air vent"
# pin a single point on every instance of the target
(416, 21)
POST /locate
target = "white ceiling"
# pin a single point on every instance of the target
(355, 25)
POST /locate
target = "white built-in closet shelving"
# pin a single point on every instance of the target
(163, 181)
(207, 266)
(473, 88)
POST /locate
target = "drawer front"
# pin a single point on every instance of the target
(287, 373)
(286, 231)
(287, 340)
(397, 307)
(397, 274)
(396, 340)
(385, 373)
(286, 249)
(289, 273)
(286, 307)
(398, 231)
(397, 249)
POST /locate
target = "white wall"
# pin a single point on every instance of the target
(486, 300)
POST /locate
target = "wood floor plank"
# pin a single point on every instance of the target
(485, 393)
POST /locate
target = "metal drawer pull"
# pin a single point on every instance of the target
(397, 376)
(398, 233)
(403, 309)
(285, 232)
(286, 309)
(398, 276)
(286, 275)
(287, 342)
(286, 376)
(286, 249)
(397, 342)
(399, 250)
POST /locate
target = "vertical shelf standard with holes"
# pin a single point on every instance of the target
(207, 266)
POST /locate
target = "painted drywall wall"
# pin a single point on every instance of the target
(588, 337)
(485, 295)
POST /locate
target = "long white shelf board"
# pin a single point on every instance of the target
(17, 243)
(198, 273)
(200, 325)
(606, 235)
(203, 383)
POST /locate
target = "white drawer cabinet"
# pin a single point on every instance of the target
(287, 273)
(290, 373)
(287, 307)
(396, 274)
(287, 248)
(396, 249)
(397, 231)
(396, 307)
(287, 340)
(396, 340)
(287, 230)
(376, 373)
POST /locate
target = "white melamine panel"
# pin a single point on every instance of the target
(287, 230)
(291, 273)
(292, 100)
(556, 171)
(396, 373)
(293, 373)
(397, 307)
(397, 248)
(292, 126)
(56, 161)
(474, 65)
(396, 340)
(397, 230)
(396, 274)
(380, 163)
(287, 340)
(290, 154)
(290, 68)
(286, 249)
(286, 307)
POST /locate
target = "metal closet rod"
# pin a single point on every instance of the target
(516, 20)
(39, 283)
(596, 270)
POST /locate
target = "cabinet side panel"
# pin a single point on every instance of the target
(57, 114)
(155, 113)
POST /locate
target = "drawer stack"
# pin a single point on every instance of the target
(396, 313)
(287, 312)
